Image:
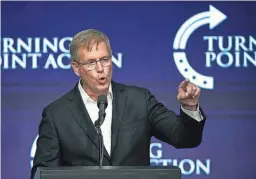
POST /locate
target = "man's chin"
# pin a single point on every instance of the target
(102, 88)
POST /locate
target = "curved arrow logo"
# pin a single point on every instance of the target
(213, 17)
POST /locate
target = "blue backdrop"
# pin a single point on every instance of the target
(36, 70)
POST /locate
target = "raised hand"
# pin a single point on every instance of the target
(188, 95)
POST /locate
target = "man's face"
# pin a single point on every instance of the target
(95, 80)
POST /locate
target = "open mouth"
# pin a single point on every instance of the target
(102, 79)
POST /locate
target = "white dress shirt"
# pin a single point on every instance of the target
(93, 109)
(194, 114)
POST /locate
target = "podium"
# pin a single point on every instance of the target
(109, 172)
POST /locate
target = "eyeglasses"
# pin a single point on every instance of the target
(91, 64)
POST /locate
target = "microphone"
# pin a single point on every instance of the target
(102, 105)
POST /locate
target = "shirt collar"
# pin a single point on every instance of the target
(87, 98)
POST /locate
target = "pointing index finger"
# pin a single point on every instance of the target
(184, 83)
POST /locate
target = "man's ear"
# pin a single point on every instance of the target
(75, 68)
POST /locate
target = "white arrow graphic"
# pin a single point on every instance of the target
(213, 17)
(188, 72)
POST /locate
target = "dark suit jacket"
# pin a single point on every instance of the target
(67, 136)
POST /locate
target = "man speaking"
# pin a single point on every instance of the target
(132, 115)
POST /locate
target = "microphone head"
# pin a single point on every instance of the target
(102, 99)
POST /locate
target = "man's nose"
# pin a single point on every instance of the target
(99, 67)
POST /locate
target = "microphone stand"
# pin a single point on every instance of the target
(97, 125)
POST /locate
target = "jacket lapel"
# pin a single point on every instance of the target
(82, 117)
(119, 103)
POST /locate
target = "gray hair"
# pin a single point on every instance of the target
(87, 39)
